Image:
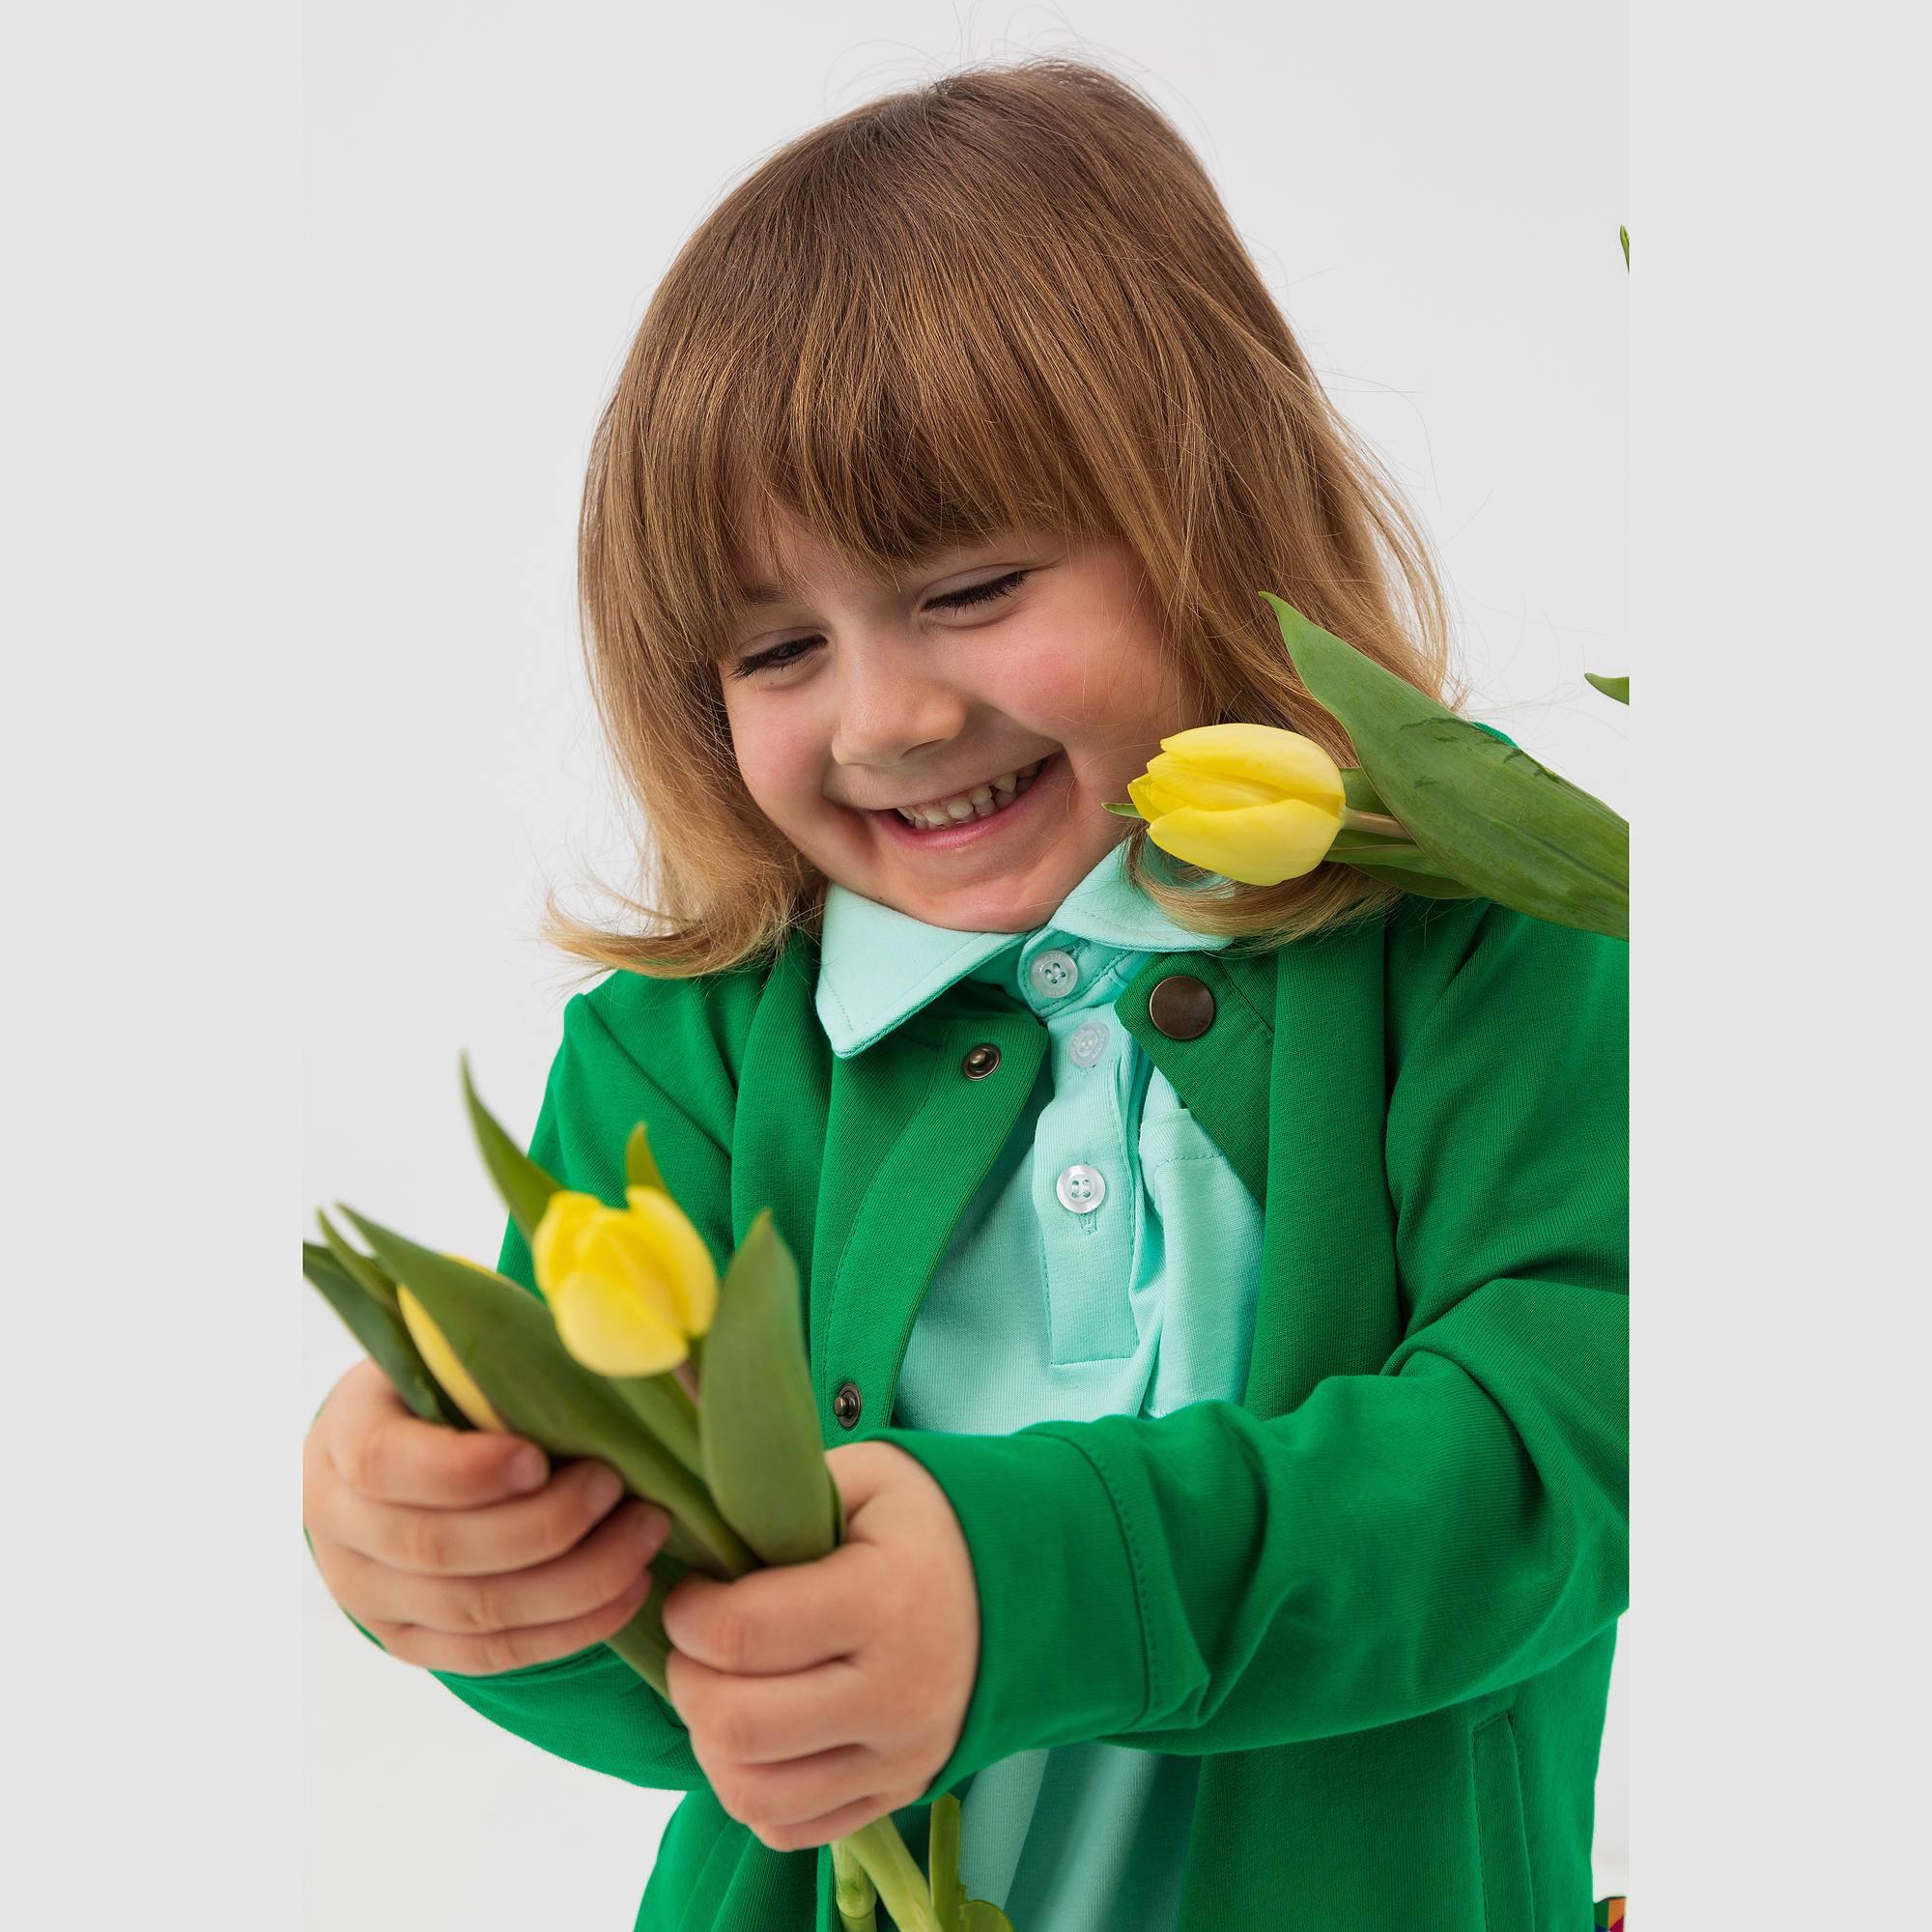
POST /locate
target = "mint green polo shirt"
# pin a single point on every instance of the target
(1107, 1265)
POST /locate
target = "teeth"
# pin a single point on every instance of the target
(981, 802)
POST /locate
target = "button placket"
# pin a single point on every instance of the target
(1088, 1228)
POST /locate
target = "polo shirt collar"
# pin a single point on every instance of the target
(877, 966)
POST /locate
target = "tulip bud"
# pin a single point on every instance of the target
(439, 1358)
(628, 1287)
(1250, 802)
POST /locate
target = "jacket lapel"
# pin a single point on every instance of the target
(909, 1138)
(783, 1095)
(1288, 1081)
(1221, 1075)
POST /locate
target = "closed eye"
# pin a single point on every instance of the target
(955, 600)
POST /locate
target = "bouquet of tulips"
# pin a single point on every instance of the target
(1439, 805)
(697, 1392)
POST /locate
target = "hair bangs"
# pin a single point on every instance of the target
(891, 427)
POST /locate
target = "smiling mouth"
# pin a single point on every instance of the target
(981, 801)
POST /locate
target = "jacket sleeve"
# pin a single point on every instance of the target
(593, 1708)
(1212, 1580)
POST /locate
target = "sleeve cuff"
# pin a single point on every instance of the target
(1063, 1653)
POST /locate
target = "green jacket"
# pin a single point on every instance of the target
(1378, 1596)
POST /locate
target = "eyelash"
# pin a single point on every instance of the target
(957, 600)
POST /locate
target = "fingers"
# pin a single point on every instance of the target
(489, 1654)
(772, 1719)
(781, 1619)
(812, 1801)
(566, 1588)
(838, 1824)
(482, 1541)
(378, 1447)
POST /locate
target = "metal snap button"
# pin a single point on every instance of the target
(981, 1060)
(1054, 974)
(1182, 1006)
(846, 1404)
(1081, 1188)
(1088, 1045)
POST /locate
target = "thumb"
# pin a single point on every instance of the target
(865, 1471)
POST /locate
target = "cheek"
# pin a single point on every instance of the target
(1075, 681)
(777, 763)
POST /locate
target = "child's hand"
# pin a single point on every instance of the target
(822, 1696)
(459, 1549)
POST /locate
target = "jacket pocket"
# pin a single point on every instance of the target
(1509, 1903)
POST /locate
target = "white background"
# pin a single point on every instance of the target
(168, 933)
(1434, 195)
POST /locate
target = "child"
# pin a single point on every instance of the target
(1215, 1294)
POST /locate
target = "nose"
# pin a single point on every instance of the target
(890, 711)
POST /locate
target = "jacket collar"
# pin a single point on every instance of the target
(877, 966)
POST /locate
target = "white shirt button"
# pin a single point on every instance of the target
(1054, 974)
(1081, 1188)
(1088, 1045)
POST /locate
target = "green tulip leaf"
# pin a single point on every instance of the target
(525, 1188)
(983, 1917)
(1121, 811)
(1352, 841)
(640, 1168)
(378, 1328)
(368, 1276)
(1359, 794)
(1618, 688)
(764, 1456)
(1484, 810)
(504, 1337)
(1424, 884)
(1390, 861)
(662, 1405)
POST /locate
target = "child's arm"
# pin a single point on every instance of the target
(1209, 1580)
(593, 1707)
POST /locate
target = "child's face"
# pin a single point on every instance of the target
(884, 696)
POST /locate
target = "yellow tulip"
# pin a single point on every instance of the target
(1250, 802)
(439, 1358)
(628, 1287)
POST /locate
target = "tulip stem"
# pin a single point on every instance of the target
(641, 1645)
(902, 1885)
(1373, 821)
(855, 1892)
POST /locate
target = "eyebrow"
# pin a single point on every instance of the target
(762, 596)
(765, 596)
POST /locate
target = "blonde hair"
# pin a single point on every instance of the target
(1007, 296)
